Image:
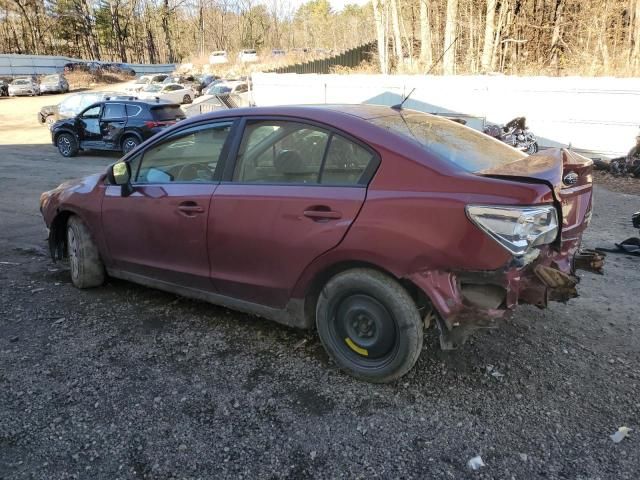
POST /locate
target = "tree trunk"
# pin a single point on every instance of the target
(166, 30)
(635, 46)
(426, 52)
(378, 16)
(450, 29)
(497, 38)
(397, 39)
(489, 32)
(557, 33)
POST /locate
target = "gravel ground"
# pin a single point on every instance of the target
(126, 382)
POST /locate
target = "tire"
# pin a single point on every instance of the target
(67, 145)
(533, 148)
(87, 270)
(129, 143)
(50, 120)
(186, 99)
(369, 325)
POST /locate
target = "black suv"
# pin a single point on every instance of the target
(74, 104)
(116, 125)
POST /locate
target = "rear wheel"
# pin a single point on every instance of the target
(129, 143)
(369, 325)
(533, 148)
(67, 145)
(186, 99)
(87, 269)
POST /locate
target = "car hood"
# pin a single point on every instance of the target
(49, 109)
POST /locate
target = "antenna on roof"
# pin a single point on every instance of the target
(399, 106)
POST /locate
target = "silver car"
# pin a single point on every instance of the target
(55, 83)
(24, 86)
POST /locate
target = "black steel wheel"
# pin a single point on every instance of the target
(186, 99)
(369, 325)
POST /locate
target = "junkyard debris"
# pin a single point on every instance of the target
(620, 434)
(476, 463)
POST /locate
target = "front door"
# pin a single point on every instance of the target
(160, 230)
(294, 192)
(88, 123)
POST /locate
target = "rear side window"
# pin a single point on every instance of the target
(113, 110)
(282, 152)
(166, 112)
(467, 148)
(133, 110)
(346, 162)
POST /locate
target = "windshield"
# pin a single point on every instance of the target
(153, 88)
(21, 82)
(467, 148)
(142, 81)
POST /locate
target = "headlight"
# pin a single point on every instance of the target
(516, 228)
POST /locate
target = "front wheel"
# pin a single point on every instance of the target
(369, 325)
(186, 99)
(533, 148)
(87, 269)
(67, 145)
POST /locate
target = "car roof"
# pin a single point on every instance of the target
(320, 113)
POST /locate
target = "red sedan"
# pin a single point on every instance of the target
(366, 222)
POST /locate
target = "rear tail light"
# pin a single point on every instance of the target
(516, 228)
(153, 124)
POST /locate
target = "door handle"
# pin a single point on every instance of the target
(190, 208)
(322, 214)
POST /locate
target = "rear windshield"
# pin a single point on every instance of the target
(166, 112)
(467, 148)
(21, 82)
(51, 78)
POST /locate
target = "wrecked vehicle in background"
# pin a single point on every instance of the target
(514, 133)
(364, 221)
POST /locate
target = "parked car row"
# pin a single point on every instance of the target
(32, 86)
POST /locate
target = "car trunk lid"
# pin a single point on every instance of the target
(567, 173)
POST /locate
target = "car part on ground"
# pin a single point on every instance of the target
(366, 221)
(114, 125)
(514, 133)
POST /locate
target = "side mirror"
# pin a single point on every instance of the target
(120, 174)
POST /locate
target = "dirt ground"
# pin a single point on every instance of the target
(124, 382)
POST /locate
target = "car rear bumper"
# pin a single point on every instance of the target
(469, 300)
(50, 88)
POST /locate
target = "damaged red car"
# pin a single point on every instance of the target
(368, 223)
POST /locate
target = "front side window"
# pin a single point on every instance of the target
(93, 112)
(190, 157)
(275, 151)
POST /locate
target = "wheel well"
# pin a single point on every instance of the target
(57, 235)
(320, 280)
(128, 135)
(57, 134)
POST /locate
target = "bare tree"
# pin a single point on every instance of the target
(426, 53)
(489, 32)
(450, 31)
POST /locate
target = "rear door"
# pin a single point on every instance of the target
(160, 230)
(292, 194)
(112, 123)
